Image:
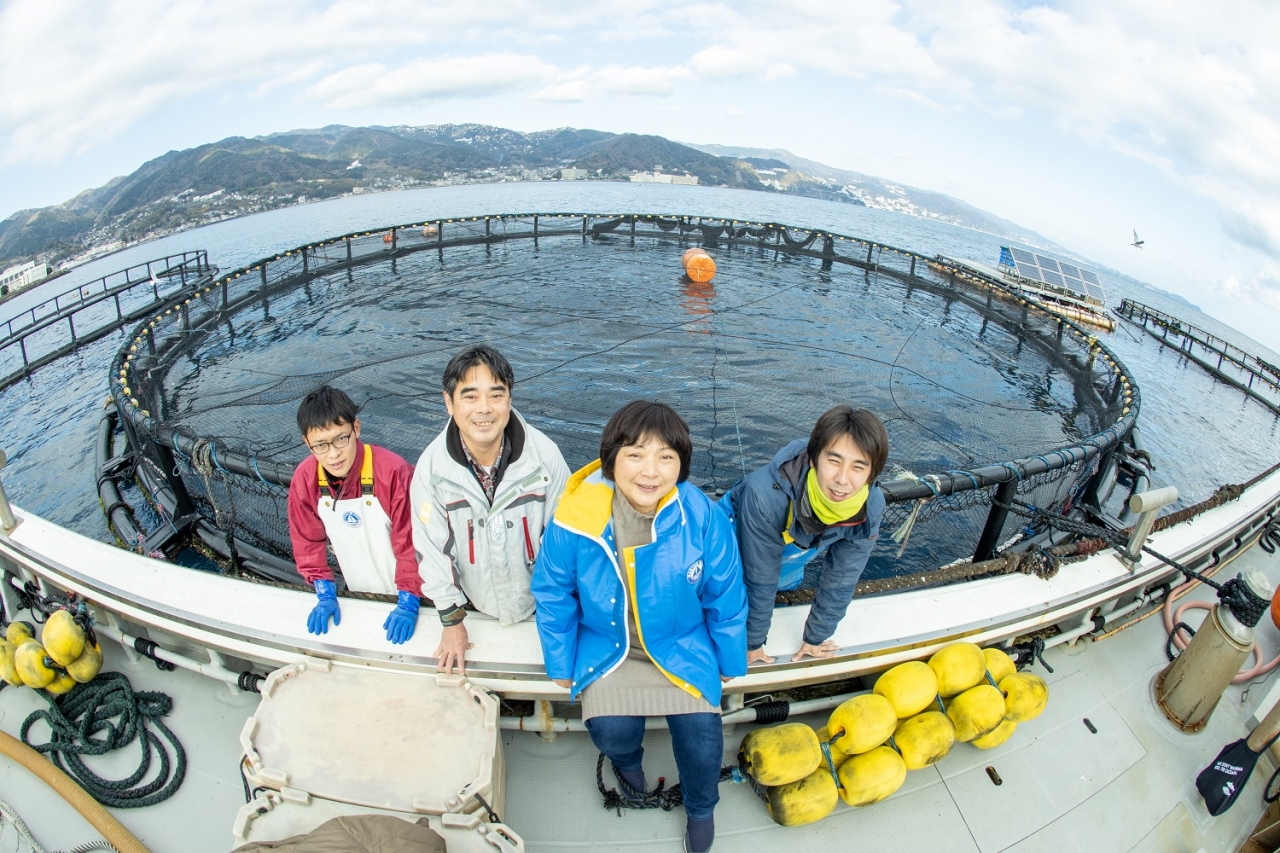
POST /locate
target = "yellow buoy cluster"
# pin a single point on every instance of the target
(914, 715)
(61, 659)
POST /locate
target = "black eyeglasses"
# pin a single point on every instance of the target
(320, 448)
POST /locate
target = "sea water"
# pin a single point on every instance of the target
(1201, 433)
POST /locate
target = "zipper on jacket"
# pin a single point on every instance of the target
(471, 543)
(528, 540)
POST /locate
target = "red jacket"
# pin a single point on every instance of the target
(391, 478)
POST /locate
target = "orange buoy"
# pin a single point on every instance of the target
(698, 265)
(388, 237)
(429, 231)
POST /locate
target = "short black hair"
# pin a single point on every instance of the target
(474, 356)
(863, 427)
(641, 419)
(325, 407)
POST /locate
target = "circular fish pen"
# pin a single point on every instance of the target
(987, 399)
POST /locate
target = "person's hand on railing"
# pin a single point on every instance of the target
(326, 606)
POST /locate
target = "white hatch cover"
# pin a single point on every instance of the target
(272, 817)
(396, 741)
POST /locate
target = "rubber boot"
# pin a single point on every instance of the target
(634, 778)
(699, 835)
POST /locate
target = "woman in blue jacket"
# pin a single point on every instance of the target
(641, 606)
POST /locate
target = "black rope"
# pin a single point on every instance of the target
(250, 682)
(1168, 645)
(772, 712)
(493, 816)
(660, 797)
(1025, 654)
(147, 649)
(1244, 605)
(1268, 795)
(104, 715)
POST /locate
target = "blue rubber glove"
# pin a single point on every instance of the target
(401, 621)
(318, 621)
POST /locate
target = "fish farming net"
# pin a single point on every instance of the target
(592, 312)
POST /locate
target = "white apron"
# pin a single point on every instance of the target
(359, 532)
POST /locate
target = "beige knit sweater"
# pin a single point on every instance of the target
(637, 688)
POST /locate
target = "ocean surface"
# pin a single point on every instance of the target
(1201, 433)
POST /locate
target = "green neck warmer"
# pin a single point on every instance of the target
(829, 511)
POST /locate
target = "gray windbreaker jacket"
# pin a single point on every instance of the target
(469, 550)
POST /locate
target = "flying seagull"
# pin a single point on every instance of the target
(1137, 244)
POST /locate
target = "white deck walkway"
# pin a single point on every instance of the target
(1127, 787)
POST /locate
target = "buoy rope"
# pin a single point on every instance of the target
(660, 797)
(7, 812)
(1244, 604)
(104, 715)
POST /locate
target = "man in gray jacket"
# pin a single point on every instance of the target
(816, 497)
(482, 492)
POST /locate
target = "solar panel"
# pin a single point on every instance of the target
(1030, 271)
(1042, 269)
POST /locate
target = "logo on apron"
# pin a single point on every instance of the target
(695, 572)
(351, 518)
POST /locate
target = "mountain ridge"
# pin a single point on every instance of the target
(237, 175)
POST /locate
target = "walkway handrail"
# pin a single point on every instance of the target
(306, 262)
(188, 263)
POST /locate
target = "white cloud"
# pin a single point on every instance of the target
(1186, 89)
(374, 84)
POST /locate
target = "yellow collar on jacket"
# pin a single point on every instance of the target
(587, 503)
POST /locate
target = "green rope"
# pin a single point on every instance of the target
(104, 715)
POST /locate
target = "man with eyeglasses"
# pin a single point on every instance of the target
(355, 497)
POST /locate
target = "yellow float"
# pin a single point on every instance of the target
(872, 776)
(62, 638)
(86, 667)
(19, 632)
(34, 666)
(999, 665)
(924, 739)
(997, 736)
(804, 801)
(862, 723)
(910, 687)
(958, 666)
(1025, 695)
(9, 666)
(780, 755)
(976, 712)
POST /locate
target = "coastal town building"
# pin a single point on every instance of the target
(16, 278)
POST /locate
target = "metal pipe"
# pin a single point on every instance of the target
(1075, 634)
(1148, 504)
(207, 669)
(547, 723)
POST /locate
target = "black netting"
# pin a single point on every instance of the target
(595, 313)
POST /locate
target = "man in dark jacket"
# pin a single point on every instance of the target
(815, 495)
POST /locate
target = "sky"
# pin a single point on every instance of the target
(1083, 121)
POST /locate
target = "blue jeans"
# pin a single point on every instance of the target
(697, 741)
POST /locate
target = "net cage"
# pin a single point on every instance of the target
(980, 390)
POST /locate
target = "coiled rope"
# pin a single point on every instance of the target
(660, 797)
(104, 715)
